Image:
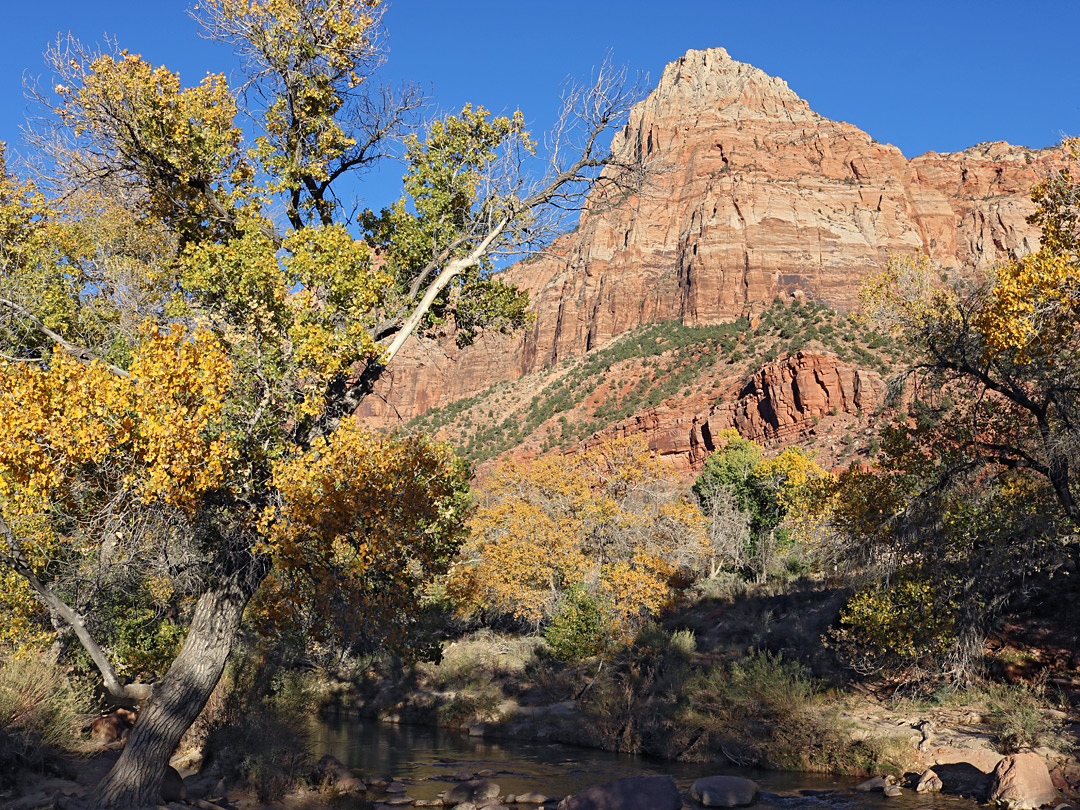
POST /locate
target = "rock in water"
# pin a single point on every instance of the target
(1022, 782)
(929, 782)
(724, 791)
(473, 790)
(876, 783)
(529, 798)
(630, 793)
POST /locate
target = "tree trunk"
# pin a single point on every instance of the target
(135, 780)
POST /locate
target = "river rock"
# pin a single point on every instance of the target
(529, 798)
(1022, 782)
(929, 782)
(473, 791)
(629, 793)
(1058, 778)
(724, 791)
(876, 783)
(892, 791)
(396, 787)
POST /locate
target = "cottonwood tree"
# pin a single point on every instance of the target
(189, 317)
(1006, 348)
(609, 523)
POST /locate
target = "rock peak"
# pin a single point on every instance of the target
(710, 80)
(707, 89)
(752, 195)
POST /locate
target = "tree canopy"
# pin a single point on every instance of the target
(609, 522)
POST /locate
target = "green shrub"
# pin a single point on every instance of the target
(898, 629)
(581, 628)
(766, 711)
(260, 738)
(1021, 720)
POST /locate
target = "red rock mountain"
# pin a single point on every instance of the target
(753, 194)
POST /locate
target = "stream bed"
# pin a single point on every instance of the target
(427, 758)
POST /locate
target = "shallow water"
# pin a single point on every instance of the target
(426, 758)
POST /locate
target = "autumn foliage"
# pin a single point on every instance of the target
(609, 522)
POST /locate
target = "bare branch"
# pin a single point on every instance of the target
(78, 351)
(15, 558)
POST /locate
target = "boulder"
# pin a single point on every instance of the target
(473, 791)
(724, 791)
(929, 782)
(629, 793)
(173, 788)
(1022, 782)
(892, 791)
(963, 779)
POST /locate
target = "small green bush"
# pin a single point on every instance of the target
(260, 739)
(581, 628)
(900, 629)
(1020, 719)
(765, 711)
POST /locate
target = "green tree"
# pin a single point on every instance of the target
(181, 358)
(753, 503)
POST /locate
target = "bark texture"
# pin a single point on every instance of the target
(135, 780)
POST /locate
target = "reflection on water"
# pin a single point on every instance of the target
(429, 757)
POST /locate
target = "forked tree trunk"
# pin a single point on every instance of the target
(135, 780)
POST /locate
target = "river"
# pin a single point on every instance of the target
(427, 758)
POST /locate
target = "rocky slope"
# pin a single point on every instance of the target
(796, 373)
(752, 195)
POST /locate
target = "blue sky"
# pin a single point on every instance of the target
(920, 75)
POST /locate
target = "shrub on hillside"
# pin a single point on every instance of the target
(1021, 719)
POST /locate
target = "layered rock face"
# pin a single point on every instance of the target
(780, 404)
(752, 194)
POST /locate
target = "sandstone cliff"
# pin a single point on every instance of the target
(752, 194)
(781, 404)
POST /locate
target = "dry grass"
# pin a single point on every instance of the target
(41, 717)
